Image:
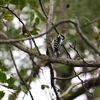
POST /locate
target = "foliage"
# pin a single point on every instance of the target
(26, 16)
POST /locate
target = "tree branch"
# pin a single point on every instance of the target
(78, 63)
(93, 21)
(20, 76)
(49, 48)
(79, 31)
(92, 82)
(67, 78)
(24, 27)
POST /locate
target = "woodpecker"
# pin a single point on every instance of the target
(57, 42)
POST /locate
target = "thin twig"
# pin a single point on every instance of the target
(44, 12)
(88, 42)
(37, 36)
(91, 22)
(90, 82)
(48, 41)
(74, 47)
(20, 75)
(67, 78)
(48, 26)
(85, 39)
(70, 62)
(72, 86)
(78, 53)
(52, 81)
(69, 88)
(82, 83)
(41, 5)
(27, 31)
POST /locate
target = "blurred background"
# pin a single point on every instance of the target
(29, 11)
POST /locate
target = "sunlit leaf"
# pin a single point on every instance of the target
(95, 28)
(1, 94)
(37, 20)
(86, 18)
(23, 72)
(9, 18)
(24, 89)
(10, 81)
(67, 95)
(3, 77)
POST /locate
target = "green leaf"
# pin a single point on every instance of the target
(1, 94)
(37, 20)
(32, 16)
(23, 72)
(15, 2)
(3, 77)
(10, 81)
(33, 32)
(4, 2)
(12, 96)
(8, 17)
(67, 95)
(40, 15)
(44, 86)
(23, 88)
(19, 3)
(33, 3)
(2, 67)
(1, 2)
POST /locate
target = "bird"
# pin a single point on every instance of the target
(56, 44)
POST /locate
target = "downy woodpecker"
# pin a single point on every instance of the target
(57, 42)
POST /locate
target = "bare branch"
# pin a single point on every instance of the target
(88, 42)
(90, 83)
(20, 76)
(37, 36)
(78, 63)
(73, 47)
(41, 5)
(85, 39)
(91, 22)
(69, 89)
(48, 26)
(67, 78)
(83, 83)
(49, 48)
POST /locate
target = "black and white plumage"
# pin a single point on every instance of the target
(57, 42)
